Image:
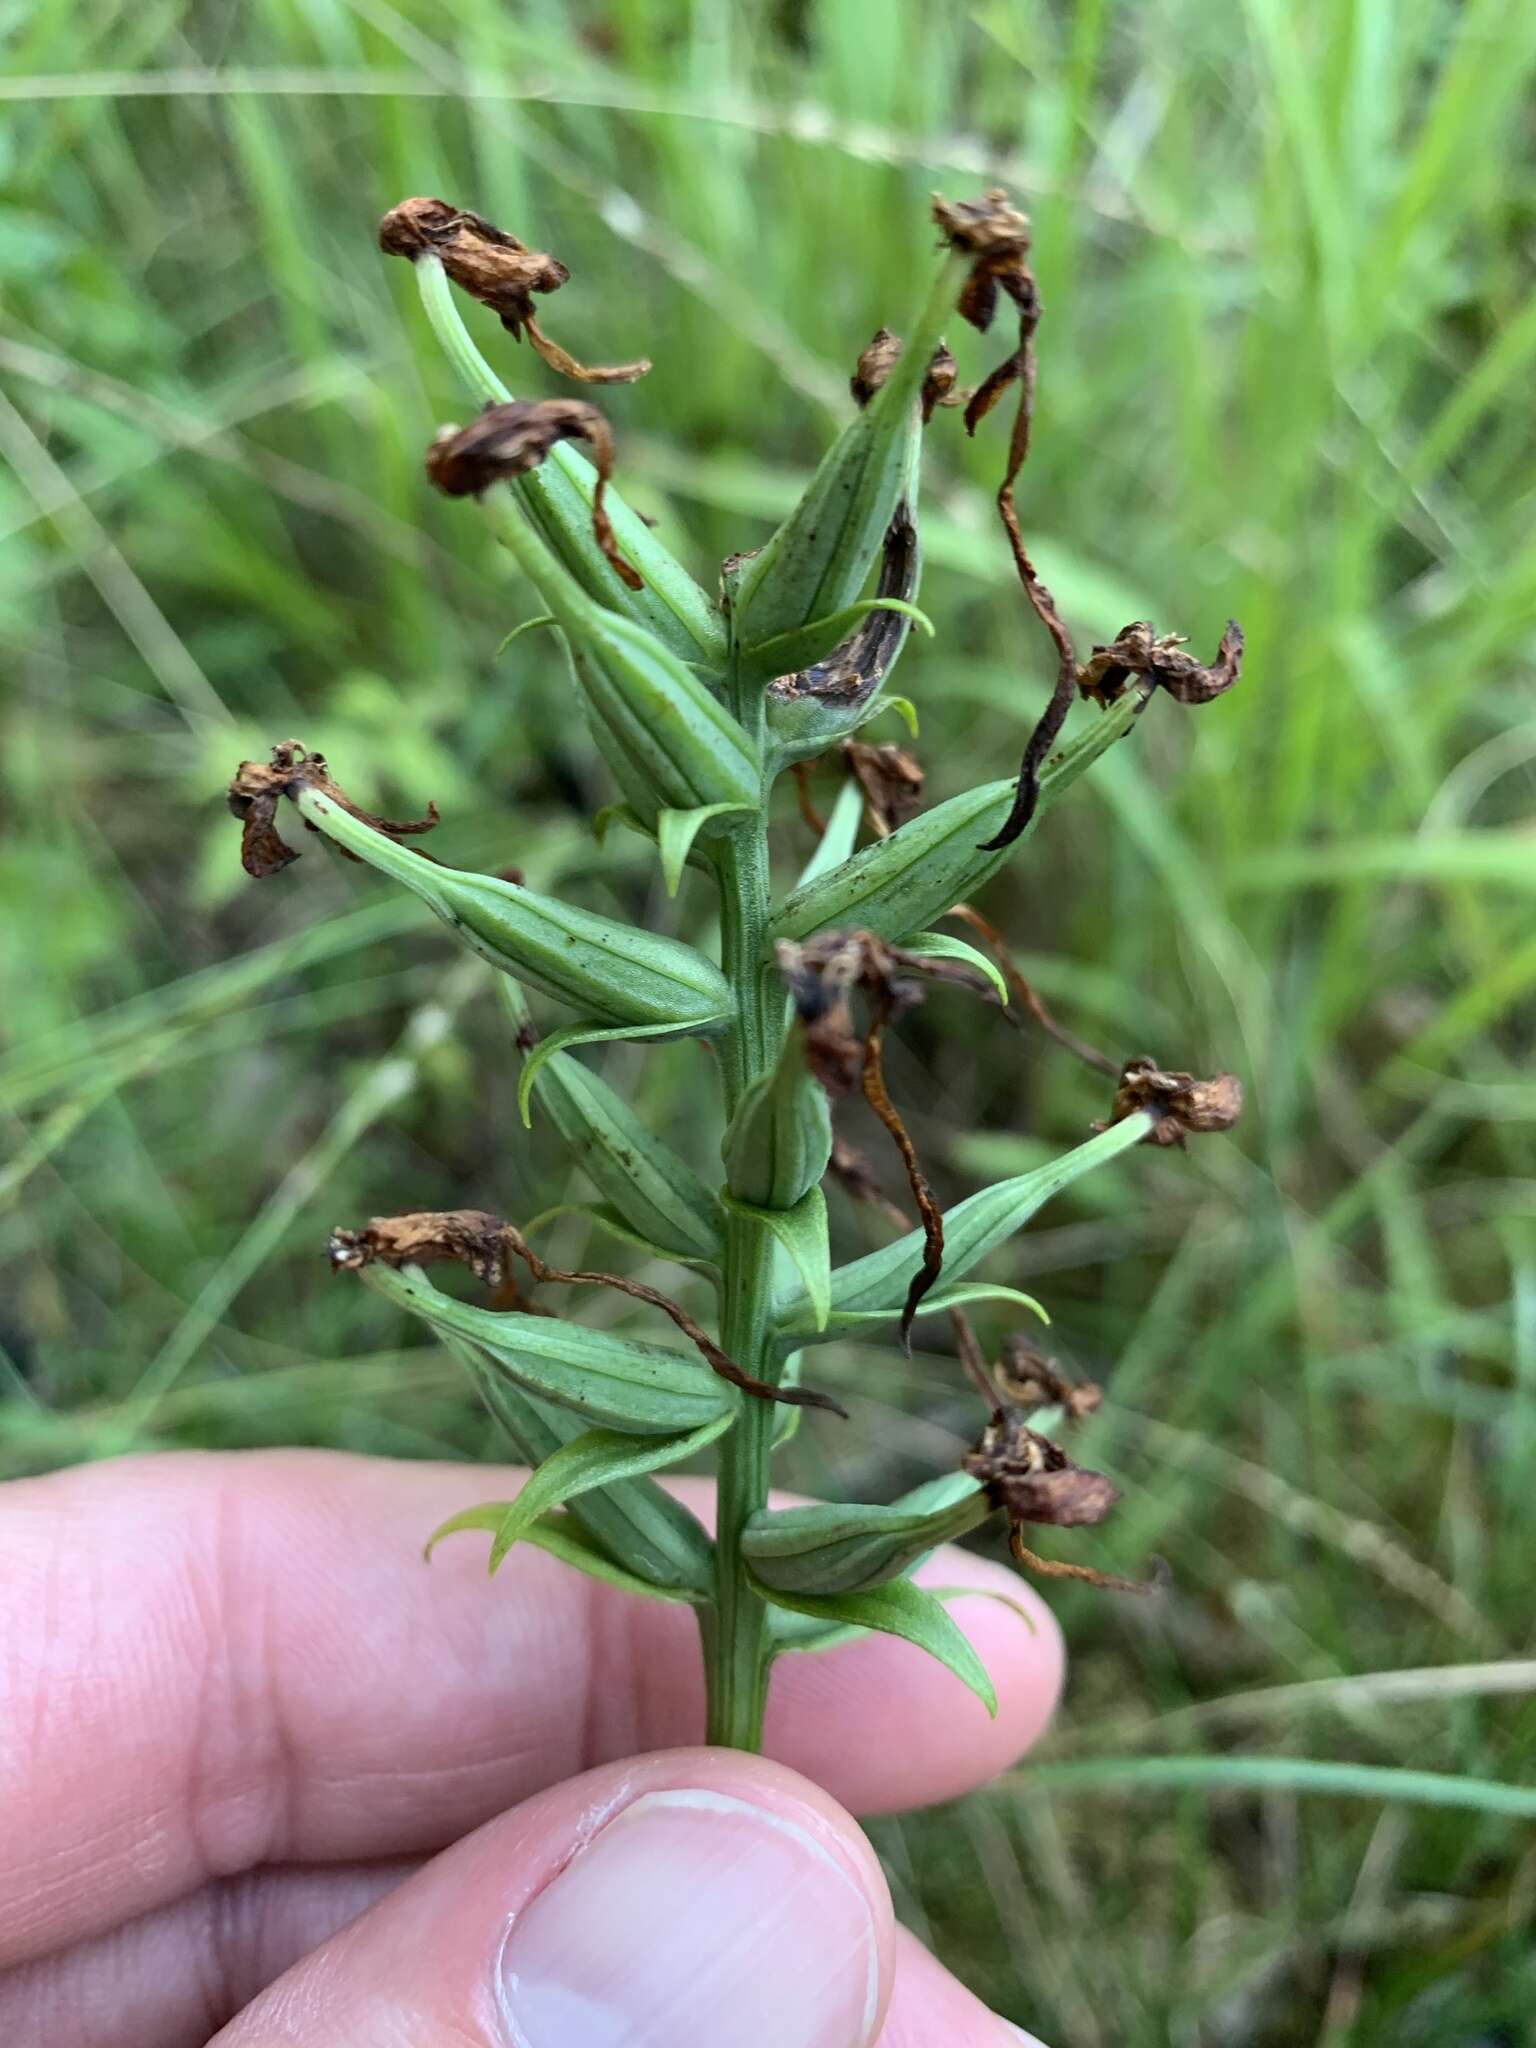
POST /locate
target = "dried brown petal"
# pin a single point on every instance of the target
(253, 798)
(1028, 1379)
(854, 670)
(509, 440)
(939, 382)
(481, 258)
(990, 228)
(1181, 1104)
(878, 360)
(872, 1078)
(1138, 650)
(823, 974)
(891, 778)
(495, 268)
(483, 1242)
(875, 364)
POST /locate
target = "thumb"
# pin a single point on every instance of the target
(691, 1898)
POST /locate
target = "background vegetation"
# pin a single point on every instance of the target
(1285, 248)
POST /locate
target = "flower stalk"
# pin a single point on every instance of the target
(697, 705)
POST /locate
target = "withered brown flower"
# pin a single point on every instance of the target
(508, 440)
(1139, 650)
(498, 270)
(822, 975)
(484, 1243)
(1182, 1105)
(258, 786)
(1027, 1475)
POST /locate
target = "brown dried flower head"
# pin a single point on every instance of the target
(1033, 1480)
(485, 1244)
(1139, 650)
(1181, 1104)
(509, 440)
(498, 270)
(879, 359)
(258, 786)
(1028, 1379)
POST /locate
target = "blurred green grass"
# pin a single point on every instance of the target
(1286, 257)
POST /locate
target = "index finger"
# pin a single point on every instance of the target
(214, 1661)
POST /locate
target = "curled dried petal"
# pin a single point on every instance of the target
(1028, 1379)
(875, 364)
(1138, 650)
(891, 778)
(483, 1242)
(257, 786)
(939, 382)
(498, 270)
(1181, 1104)
(509, 440)
(872, 1080)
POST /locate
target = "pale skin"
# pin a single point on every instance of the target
(267, 1777)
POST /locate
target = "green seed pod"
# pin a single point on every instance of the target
(642, 1527)
(780, 1139)
(846, 1549)
(608, 971)
(902, 884)
(817, 562)
(683, 749)
(615, 1382)
(657, 1194)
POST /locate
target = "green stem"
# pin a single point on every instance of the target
(737, 1649)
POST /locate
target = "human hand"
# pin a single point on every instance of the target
(266, 1778)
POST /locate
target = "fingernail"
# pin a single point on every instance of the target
(693, 1918)
(1018, 2034)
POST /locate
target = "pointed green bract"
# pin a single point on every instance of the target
(901, 884)
(681, 743)
(599, 1457)
(778, 1143)
(814, 642)
(851, 1547)
(841, 835)
(609, 970)
(634, 1524)
(615, 1382)
(802, 1231)
(877, 1283)
(942, 946)
(817, 562)
(898, 1608)
(557, 1042)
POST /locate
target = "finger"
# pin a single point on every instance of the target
(928, 2006)
(176, 1975)
(696, 1900)
(213, 1662)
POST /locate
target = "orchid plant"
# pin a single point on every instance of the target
(698, 703)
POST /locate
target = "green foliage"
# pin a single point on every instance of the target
(897, 1608)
